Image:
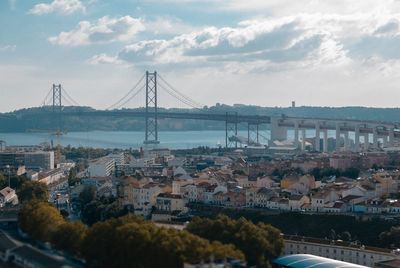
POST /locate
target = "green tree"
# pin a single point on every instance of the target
(351, 172)
(39, 220)
(259, 242)
(131, 242)
(346, 236)
(33, 190)
(92, 212)
(69, 236)
(15, 181)
(391, 238)
(87, 195)
(72, 179)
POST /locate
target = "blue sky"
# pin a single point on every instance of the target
(327, 53)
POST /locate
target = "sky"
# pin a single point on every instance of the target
(259, 52)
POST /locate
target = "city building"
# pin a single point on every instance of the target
(101, 167)
(11, 159)
(8, 196)
(338, 250)
(39, 160)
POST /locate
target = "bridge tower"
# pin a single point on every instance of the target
(253, 136)
(57, 97)
(151, 109)
(231, 130)
(57, 111)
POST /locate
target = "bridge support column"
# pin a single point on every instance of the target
(296, 134)
(325, 148)
(337, 136)
(366, 141)
(346, 141)
(391, 137)
(317, 137)
(357, 138)
(277, 132)
(375, 138)
(303, 139)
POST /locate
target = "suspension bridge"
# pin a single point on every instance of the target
(152, 85)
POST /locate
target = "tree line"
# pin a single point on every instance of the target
(127, 241)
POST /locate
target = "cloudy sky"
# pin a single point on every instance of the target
(262, 52)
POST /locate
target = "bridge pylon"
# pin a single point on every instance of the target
(151, 109)
(231, 130)
(57, 98)
(253, 136)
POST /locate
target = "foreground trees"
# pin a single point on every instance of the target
(259, 242)
(40, 220)
(69, 236)
(391, 237)
(132, 242)
(33, 190)
(120, 242)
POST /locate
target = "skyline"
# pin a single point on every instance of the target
(267, 54)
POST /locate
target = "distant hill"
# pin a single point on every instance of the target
(22, 120)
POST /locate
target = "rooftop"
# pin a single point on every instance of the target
(39, 258)
(306, 260)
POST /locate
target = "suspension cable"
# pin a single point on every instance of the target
(195, 103)
(176, 96)
(73, 102)
(131, 97)
(47, 96)
(126, 95)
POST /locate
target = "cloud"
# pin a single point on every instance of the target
(167, 26)
(65, 7)
(8, 48)
(391, 27)
(104, 30)
(272, 41)
(276, 44)
(104, 59)
(107, 29)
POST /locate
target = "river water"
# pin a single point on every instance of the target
(133, 139)
(122, 139)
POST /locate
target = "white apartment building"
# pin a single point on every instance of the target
(102, 167)
(119, 158)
